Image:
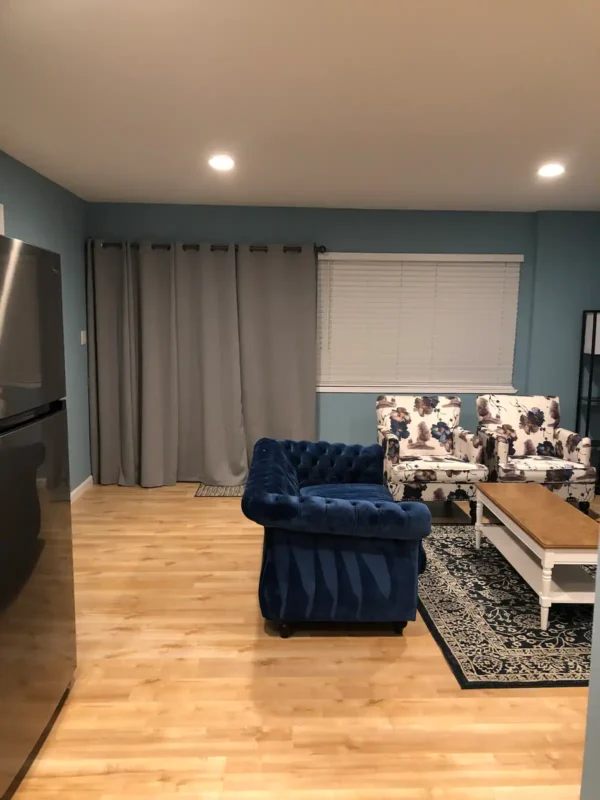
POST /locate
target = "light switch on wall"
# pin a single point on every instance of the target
(83, 337)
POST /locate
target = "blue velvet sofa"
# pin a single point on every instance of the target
(337, 548)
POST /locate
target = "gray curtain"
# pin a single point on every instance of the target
(165, 393)
(195, 352)
(212, 446)
(277, 300)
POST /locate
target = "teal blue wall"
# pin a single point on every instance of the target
(342, 417)
(560, 276)
(42, 213)
(567, 282)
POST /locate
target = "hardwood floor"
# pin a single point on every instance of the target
(181, 693)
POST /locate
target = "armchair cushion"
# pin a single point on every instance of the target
(545, 469)
(442, 469)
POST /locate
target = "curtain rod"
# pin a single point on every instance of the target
(254, 248)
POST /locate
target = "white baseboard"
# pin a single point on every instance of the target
(82, 488)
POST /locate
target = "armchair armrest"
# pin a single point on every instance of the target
(496, 441)
(468, 446)
(390, 445)
(572, 446)
(320, 515)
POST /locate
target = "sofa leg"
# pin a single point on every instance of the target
(473, 511)
(399, 627)
(285, 630)
(585, 507)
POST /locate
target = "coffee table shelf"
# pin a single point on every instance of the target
(570, 583)
(544, 538)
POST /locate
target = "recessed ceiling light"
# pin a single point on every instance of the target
(222, 162)
(551, 170)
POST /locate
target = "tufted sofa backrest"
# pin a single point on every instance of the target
(424, 424)
(321, 462)
(283, 466)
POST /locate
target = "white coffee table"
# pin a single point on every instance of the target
(544, 538)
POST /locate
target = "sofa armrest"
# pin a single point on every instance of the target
(361, 518)
(468, 446)
(572, 446)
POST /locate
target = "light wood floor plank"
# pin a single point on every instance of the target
(182, 693)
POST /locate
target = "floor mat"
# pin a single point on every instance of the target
(204, 490)
(486, 618)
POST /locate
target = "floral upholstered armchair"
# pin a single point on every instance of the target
(523, 441)
(427, 456)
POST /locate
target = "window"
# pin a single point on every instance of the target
(427, 323)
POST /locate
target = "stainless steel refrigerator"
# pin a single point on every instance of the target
(37, 615)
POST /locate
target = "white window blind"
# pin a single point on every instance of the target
(436, 323)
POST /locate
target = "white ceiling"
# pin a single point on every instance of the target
(440, 104)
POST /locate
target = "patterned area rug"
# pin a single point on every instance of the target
(486, 619)
(204, 490)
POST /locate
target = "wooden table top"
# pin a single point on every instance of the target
(548, 519)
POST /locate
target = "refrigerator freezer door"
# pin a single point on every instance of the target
(37, 616)
(32, 369)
